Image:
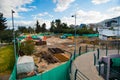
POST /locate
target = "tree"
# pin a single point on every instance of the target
(27, 47)
(38, 28)
(2, 28)
(58, 26)
(84, 26)
(30, 30)
(43, 29)
(52, 28)
(58, 23)
(22, 29)
(2, 22)
(91, 31)
(6, 35)
(64, 26)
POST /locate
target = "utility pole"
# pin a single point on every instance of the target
(118, 33)
(14, 35)
(75, 33)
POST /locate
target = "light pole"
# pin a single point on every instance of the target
(118, 33)
(14, 35)
(75, 34)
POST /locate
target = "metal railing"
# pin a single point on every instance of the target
(76, 74)
(80, 76)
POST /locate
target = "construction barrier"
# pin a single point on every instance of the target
(60, 72)
(13, 75)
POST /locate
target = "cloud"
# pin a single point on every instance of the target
(47, 22)
(33, 7)
(92, 16)
(17, 5)
(54, 1)
(20, 23)
(85, 17)
(28, 23)
(68, 20)
(33, 21)
(44, 14)
(100, 1)
(114, 9)
(62, 5)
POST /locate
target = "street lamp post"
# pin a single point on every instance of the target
(75, 34)
(118, 33)
(14, 35)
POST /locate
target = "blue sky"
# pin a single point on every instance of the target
(87, 11)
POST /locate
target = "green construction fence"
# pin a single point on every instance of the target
(116, 62)
(60, 72)
(90, 35)
(13, 74)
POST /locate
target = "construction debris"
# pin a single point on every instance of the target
(61, 57)
(55, 50)
(41, 43)
(48, 57)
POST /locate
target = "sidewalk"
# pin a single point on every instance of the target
(85, 64)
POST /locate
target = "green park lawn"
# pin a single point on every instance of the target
(6, 59)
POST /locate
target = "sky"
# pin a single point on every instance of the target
(45, 11)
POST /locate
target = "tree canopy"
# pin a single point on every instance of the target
(2, 22)
(52, 28)
(58, 27)
(24, 29)
(5, 34)
(38, 27)
(43, 28)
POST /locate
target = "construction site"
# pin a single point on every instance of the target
(52, 52)
(66, 58)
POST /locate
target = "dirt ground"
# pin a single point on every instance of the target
(45, 59)
(67, 45)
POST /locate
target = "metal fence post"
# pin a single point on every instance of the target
(98, 53)
(71, 56)
(118, 48)
(106, 50)
(80, 50)
(99, 67)
(70, 65)
(94, 59)
(74, 54)
(94, 47)
(86, 48)
(76, 74)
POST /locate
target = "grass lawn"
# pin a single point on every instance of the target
(6, 59)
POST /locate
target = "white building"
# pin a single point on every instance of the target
(106, 34)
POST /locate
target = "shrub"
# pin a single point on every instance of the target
(27, 47)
